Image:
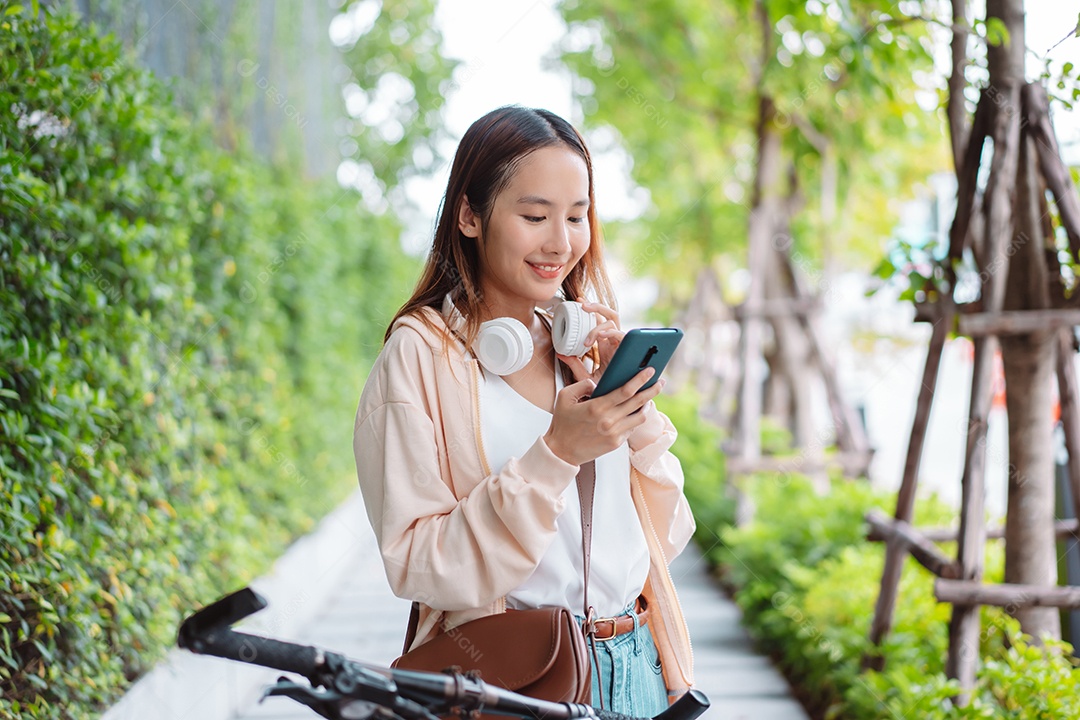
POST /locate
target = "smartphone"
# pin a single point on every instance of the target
(640, 348)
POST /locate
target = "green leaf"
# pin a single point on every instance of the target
(996, 32)
(14, 10)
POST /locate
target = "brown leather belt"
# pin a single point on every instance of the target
(610, 628)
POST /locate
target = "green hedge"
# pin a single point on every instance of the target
(698, 450)
(807, 581)
(183, 337)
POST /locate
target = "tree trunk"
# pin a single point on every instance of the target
(792, 350)
(1030, 548)
(1006, 76)
(766, 207)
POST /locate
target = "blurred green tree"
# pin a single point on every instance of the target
(777, 128)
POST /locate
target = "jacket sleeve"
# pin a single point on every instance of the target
(662, 481)
(447, 552)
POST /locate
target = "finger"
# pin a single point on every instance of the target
(603, 310)
(611, 337)
(577, 367)
(627, 424)
(650, 394)
(633, 385)
(581, 390)
(604, 329)
(641, 398)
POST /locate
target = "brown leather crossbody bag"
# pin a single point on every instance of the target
(541, 653)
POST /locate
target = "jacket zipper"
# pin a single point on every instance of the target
(476, 418)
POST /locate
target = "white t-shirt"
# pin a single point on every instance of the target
(619, 564)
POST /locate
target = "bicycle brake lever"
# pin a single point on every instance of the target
(334, 705)
(324, 702)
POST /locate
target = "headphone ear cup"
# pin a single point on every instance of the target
(504, 346)
(569, 326)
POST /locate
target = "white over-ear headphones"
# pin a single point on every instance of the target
(504, 346)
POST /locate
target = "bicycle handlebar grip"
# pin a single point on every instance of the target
(227, 643)
(691, 705)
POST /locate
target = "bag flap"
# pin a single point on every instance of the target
(511, 649)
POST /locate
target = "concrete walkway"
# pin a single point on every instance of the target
(741, 684)
(365, 621)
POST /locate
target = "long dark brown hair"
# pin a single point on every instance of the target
(485, 162)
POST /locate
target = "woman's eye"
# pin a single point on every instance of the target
(577, 220)
(533, 218)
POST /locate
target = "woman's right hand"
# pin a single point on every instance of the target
(584, 428)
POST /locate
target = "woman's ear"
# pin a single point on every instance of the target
(468, 221)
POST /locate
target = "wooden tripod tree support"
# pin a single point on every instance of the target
(705, 310)
(801, 305)
(704, 359)
(960, 582)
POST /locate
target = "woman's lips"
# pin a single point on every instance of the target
(548, 272)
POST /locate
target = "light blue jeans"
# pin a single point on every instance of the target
(629, 672)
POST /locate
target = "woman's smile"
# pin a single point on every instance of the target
(548, 272)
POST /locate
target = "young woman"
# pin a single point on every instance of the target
(468, 470)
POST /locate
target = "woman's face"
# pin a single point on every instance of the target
(537, 232)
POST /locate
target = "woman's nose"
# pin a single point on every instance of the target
(558, 240)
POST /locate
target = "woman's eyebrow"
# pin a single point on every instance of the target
(537, 200)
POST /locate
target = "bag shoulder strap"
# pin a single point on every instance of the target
(414, 621)
(586, 482)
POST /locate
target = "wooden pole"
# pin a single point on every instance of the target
(905, 501)
(1016, 322)
(1063, 530)
(806, 462)
(850, 434)
(1057, 175)
(900, 533)
(964, 623)
(967, 180)
(955, 109)
(693, 319)
(1069, 401)
(1010, 596)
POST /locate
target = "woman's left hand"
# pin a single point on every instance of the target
(606, 335)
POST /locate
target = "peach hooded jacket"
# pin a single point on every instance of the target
(457, 535)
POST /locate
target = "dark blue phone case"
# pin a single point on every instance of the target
(640, 348)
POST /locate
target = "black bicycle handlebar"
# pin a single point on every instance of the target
(407, 693)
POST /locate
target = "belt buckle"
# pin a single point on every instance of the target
(612, 636)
